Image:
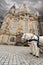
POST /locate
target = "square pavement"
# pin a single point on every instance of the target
(17, 55)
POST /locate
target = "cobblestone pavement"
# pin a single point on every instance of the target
(16, 55)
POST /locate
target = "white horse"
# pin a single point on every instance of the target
(34, 49)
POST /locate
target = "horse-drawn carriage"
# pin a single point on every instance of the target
(36, 42)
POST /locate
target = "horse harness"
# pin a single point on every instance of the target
(34, 40)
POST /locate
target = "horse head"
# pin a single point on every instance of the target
(23, 38)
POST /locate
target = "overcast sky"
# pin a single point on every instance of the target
(32, 4)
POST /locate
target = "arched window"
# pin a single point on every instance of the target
(12, 39)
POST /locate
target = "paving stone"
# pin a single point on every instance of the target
(16, 55)
(7, 61)
(3, 60)
(14, 60)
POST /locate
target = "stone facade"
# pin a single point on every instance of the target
(41, 26)
(19, 17)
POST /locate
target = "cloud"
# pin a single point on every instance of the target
(11, 3)
(38, 5)
(32, 4)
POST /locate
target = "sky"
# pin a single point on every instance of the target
(32, 4)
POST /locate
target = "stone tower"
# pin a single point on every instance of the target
(7, 26)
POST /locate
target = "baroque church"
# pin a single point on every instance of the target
(18, 21)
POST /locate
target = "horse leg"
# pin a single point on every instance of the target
(30, 48)
(36, 49)
(37, 52)
(33, 48)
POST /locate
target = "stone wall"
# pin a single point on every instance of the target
(33, 26)
(20, 26)
(41, 28)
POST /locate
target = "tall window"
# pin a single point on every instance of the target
(14, 27)
(26, 27)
